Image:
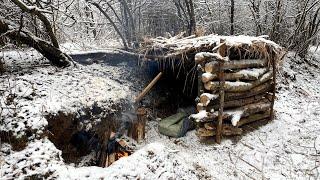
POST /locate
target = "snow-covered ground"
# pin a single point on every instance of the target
(286, 148)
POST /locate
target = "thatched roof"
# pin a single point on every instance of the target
(182, 48)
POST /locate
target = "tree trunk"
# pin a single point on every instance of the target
(52, 53)
(130, 18)
(33, 10)
(192, 18)
(112, 23)
(232, 18)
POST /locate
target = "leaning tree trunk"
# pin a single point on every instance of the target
(52, 53)
(34, 10)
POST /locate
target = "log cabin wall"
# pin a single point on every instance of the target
(236, 78)
(235, 88)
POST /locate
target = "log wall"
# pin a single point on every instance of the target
(233, 92)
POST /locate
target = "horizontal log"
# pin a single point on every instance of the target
(238, 86)
(229, 96)
(200, 107)
(212, 67)
(206, 77)
(206, 56)
(262, 88)
(245, 74)
(227, 130)
(262, 106)
(253, 118)
(239, 102)
(206, 98)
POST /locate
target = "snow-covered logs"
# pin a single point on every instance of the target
(236, 78)
(235, 89)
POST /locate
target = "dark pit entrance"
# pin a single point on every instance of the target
(111, 137)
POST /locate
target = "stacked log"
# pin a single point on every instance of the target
(233, 92)
(236, 77)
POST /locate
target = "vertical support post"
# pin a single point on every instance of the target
(200, 84)
(223, 52)
(274, 77)
(221, 105)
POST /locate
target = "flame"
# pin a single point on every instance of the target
(121, 154)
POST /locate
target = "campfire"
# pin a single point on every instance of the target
(117, 148)
(120, 144)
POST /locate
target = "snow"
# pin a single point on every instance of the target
(236, 116)
(255, 72)
(192, 41)
(236, 84)
(154, 161)
(286, 148)
(47, 90)
(210, 97)
(200, 56)
(200, 115)
(73, 48)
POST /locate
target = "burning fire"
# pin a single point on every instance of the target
(121, 154)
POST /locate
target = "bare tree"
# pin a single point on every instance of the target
(255, 11)
(232, 18)
(112, 23)
(307, 28)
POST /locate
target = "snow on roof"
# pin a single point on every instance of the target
(178, 45)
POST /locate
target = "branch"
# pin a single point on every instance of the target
(38, 12)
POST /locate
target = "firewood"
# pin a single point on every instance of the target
(238, 86)
(212, 67)
(206, 77)
(253, 118)
(110, 159)
(200, 107)
(205, 98)
(205, 56)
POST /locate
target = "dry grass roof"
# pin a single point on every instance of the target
(238, 47)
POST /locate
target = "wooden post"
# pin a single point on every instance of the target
(273, 87)
(137, 127)
(221, 103)
(222, 51)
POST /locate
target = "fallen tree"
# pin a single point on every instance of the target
(15, 33)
